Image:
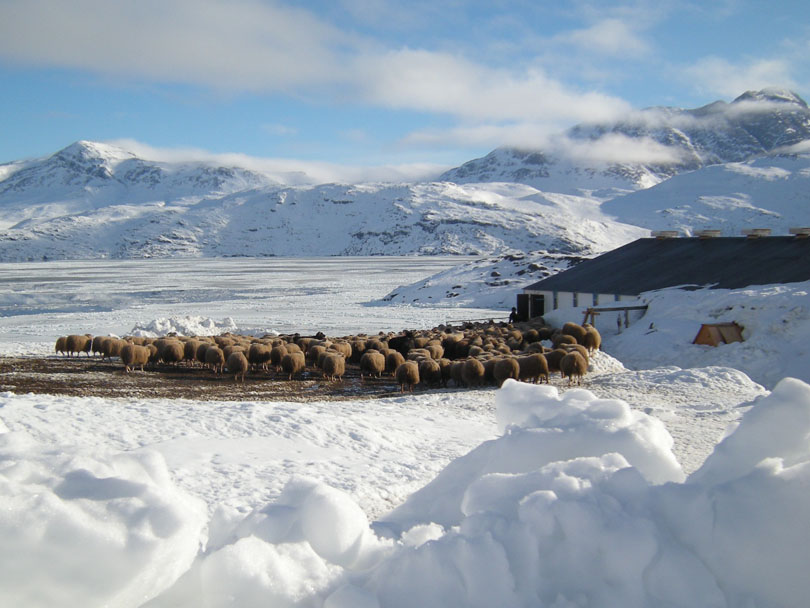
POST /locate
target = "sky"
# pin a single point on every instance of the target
(372, 84)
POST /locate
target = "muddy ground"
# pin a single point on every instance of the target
(92, 377)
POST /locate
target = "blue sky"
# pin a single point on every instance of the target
(368, 83)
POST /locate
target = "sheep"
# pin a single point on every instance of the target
(172, 351)
(334, 366)
(199, 355)
(373, 363)
(436, 351)
(190, 350)
(553, 359)
(407, 374)
(78, 344)
(577, 331)
(533, 368)
(95, 345)
(559, 338)
(430, 372)
(593, 339)
(277, 354)
(113, 347)
(457, 372)
(61, 345)
(237, 365)
(393, 360)
(473, 372)
(215, 358)
(573, 365)
(313, 352)
(344, 348)
(133, 355)
(577, 347)
(506, 367)
(293, 364)
(259, 355)
(445, 365)
(403, 343)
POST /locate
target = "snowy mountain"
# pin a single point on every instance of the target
(92, 200)
(723, 165)
(649, 146)
(766, 192)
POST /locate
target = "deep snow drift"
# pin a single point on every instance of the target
(579, 502)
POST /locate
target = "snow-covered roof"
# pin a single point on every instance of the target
(648, 264)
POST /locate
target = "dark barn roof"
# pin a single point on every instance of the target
(726, 262)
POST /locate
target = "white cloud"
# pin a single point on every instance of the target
(719, 76)
(247, 45)
(614, 148)
(288, 171)
(609, 36)
(441, 82)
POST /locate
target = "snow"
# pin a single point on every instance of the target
(681, 482)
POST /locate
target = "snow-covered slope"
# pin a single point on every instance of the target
(370, 219)
(649, 146)
(767, 192)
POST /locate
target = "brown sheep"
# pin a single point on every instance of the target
(577, 331)
(473, 372)
(573, 365)
(173, 351)
(113, 347)
(344, 348)
(373, 363)
(215, 358)
(393, 360)
(133, 355)
(593, 339)
(436, 351)
(506, 368)
(61, 345)
(553, 359)
(78, 344)
(407, 374)
(333, 366)
(293, 364)
(457, 372)
(200, 354)
(276, 354)
(314, 352)
(237, 365)
(533, 368)
(190, 350)
(259, 355)
(577, 347)
(558, 339)
(430, 372)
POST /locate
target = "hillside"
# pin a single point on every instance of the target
(597, 187)
(649, 146)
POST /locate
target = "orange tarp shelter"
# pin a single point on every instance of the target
(715, 334)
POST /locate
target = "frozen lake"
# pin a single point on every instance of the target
(41, 300)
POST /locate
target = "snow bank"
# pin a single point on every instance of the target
(594, 531)
(775, 321)
(579, 503)
(183, 326)
(90, 530)
(303, 545)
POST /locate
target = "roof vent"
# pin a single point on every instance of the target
(755, 233)
(666, 234)
(708, 234)
(800, 233)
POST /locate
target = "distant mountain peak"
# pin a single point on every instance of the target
(772, 94)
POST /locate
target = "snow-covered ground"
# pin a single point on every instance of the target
(623, 493)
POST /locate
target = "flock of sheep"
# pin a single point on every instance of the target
(473, 356)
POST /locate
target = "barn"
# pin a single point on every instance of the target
(618, 277)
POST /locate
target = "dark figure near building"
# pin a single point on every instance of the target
(513, 316)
